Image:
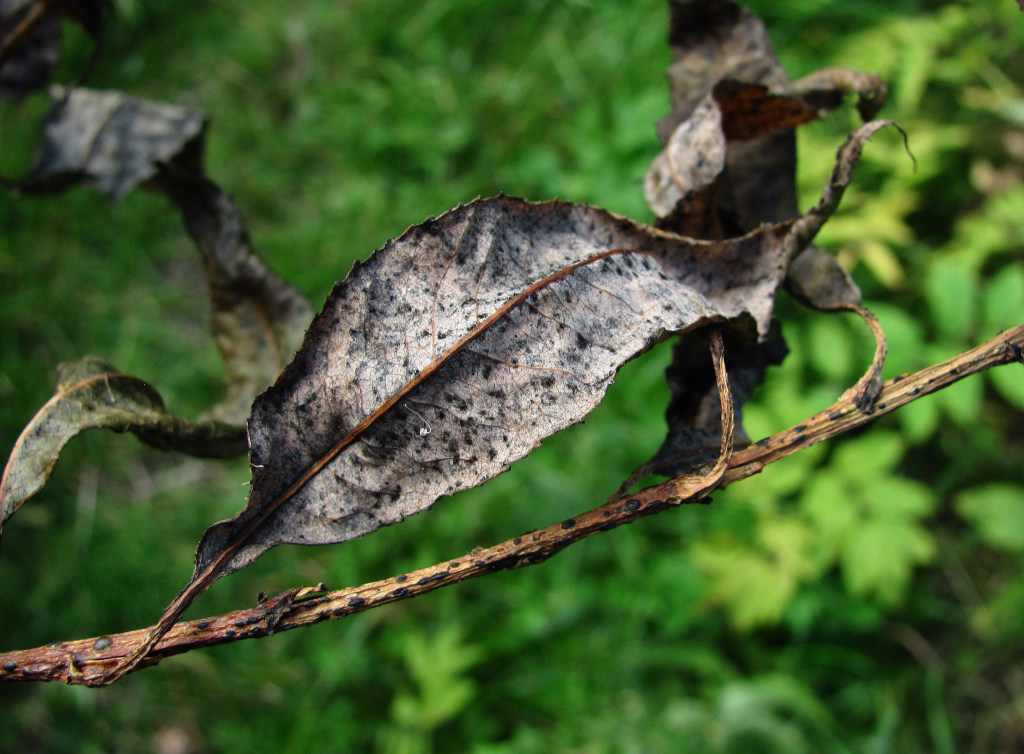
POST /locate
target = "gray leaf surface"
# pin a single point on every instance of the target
(109, 140)
(458, 347)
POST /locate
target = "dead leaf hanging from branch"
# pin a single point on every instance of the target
(94, 394)
(113, 143)
(458, 347)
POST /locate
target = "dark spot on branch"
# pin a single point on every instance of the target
(569, 523)
(430, 579)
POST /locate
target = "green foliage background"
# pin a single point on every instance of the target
(866, 595)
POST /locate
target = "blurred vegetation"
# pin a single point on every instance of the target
(866, 595)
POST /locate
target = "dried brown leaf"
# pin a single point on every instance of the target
(257, 318)
(450, 354)
(30, 37)
(691, 162)
(722, 53)
(91, 393)
(457, 348)
(114, 142)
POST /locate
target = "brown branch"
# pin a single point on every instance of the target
(87, 661)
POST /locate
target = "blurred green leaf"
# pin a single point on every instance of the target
(997, 512)
(1009, 381)
(896, 497)
(904, 335)
(743, 581)
(950, 288)
(919, 421)
(832, 508)
(878, 558)
(831, 347)
(1002, 299)
(962, 401)
(860, 458)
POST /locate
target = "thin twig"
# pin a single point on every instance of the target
(87, 661)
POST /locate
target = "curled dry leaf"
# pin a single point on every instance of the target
(91, 393)
(114, 142)
(257, 318)
(30, 37)
(722, 49)
(729, 165)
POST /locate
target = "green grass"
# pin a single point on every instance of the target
(338, 125)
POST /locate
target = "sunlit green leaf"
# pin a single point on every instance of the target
(832, 509)
(787, 539)
(744, 582)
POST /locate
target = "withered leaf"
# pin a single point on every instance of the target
(695, 407)
(458, 347)
(108, 140)
(257, 318)
(91, 393)
(713, 40)
(722, 55)
(721, 48)
(693, 430)
(691, 162)
(114, 142)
